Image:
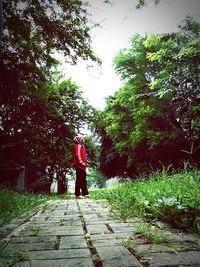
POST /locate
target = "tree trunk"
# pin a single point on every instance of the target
(61, 183)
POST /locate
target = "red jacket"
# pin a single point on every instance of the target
(80, 158)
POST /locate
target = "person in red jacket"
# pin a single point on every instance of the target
(80, 164)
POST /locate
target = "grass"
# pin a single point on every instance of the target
(35, 230)
(15, 259)
(14, 204)
(174, 199)
(152, 233)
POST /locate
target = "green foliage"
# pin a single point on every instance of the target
(57, 240)
(39, 114)
(35, 230)
(45, 129)
(92, 148)
(128, 243)
(153, 120)
(174, 199)
(14, 204)
(153, 233)
(19, 256)
(38, 34)
(15, 258)
(95, 178)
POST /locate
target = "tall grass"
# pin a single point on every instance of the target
(14, 204)
(174, 199)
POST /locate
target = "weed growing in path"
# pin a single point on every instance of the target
(150, 232)
(57, 240)
(35, 230)
(128, 243)
(15, 258)
(61, 222)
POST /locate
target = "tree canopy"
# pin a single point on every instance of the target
(39, 115)
(153, 120)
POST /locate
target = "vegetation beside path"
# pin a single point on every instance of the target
(173, 199)
(14, 204)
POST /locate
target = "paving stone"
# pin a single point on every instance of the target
(179, 250)
(6, 230)
(122, 225)
(134, 220)
(61, 215)
(89, 217)
(95, 217)
(53, 254)
(99, 221)
(63, 231)
(51, 219)
(86, 209)
(51, 227)
(104, 236)
(72, 212)
(105, 240)
(175, 236)
(31, 239)
(125, 227)
(73, 222)
(97, 229)
(166, 247)
(124, 235)
(51, 224)
(57, 214)
(30, 246)
(190, 258)
(72, 242)
(60, 254)
(86, 262)
(128, 230)
(117, 256)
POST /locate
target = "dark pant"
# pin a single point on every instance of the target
(81, 183)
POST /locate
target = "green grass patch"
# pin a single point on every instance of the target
(174, 199)
(14, 204)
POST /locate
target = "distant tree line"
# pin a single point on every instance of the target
(153, 120)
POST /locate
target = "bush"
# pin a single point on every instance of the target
(174, 199)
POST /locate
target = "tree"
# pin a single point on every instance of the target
(178, 80)
(92, 148)
(44, 136)
(37, 115)
(61, 26)
(110, 162)
(155, 115)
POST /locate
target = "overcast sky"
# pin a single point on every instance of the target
(118, 23)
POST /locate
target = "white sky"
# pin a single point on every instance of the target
(118, 24)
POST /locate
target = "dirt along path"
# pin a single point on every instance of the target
(71, 233)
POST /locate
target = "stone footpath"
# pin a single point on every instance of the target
(72, 233)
